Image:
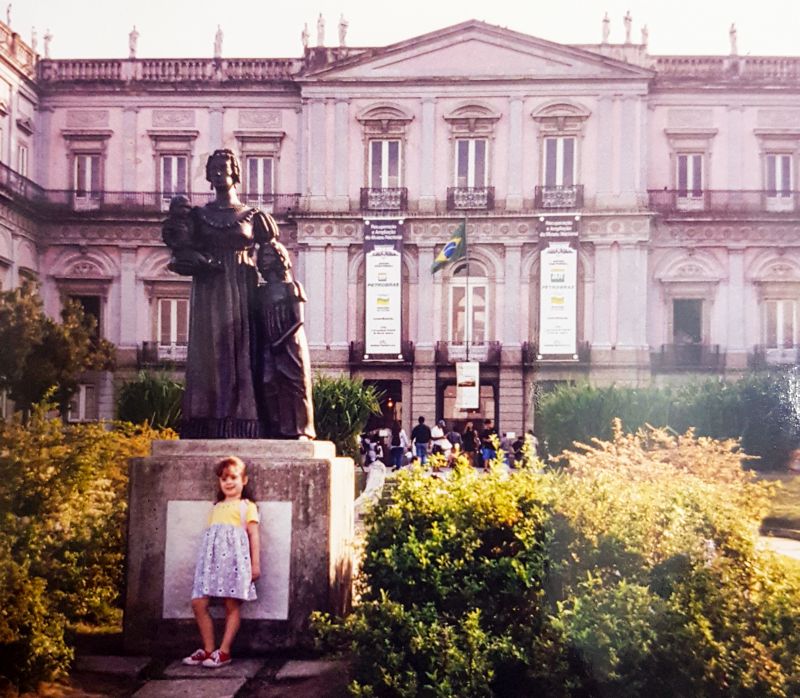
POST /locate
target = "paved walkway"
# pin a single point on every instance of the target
(784, 546)
(139, 677)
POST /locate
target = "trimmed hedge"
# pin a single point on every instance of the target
(761, 410)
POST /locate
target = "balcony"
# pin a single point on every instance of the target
(687, 357)
(530, 356)
(763, 357)
(723, 202)
(155, 354)
(554, 198)
(470, 198)
(384, 199)
(359, 357)
(487, 353)
(55, 201)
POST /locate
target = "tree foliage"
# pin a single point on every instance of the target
(155, 399)
(342, 406)
(763, 410)
(40, 354)
(632, 570)
(63, 504)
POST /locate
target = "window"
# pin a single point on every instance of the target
(92, 307)
(83, 405)
(173, 176)
(173, 321)
(22, 159)
(87, 176)
(559, 162)
(259, 184)
(779, 174)
(471, 162)
(384, 164)
(780, 324)
(468, 307)
(690, 175)
(687, 321)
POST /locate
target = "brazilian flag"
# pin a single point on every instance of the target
(456, 248)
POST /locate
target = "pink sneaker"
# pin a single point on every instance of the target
(217, 659)
(196, 658)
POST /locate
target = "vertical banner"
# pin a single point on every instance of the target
(558, 295)
(383, 255)
(468, 385)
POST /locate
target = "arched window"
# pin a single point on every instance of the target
(468, 305)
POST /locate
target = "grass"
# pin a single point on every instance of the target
(785, 511)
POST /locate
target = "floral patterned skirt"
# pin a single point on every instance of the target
(223, 566)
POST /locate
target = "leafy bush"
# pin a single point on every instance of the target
(62, 533)
(342, 406)
(155, 399)
(760, 410)
(630, 571)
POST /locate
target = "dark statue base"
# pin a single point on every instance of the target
(305, 498)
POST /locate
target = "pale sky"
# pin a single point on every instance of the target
(186, 28)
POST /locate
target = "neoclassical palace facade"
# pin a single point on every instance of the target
(630, 218)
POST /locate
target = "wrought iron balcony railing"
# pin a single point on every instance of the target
(384, 199)
(766, 357)
(154, 354)
(679, 357)
(722, 202)
(358, 354)
(55, 201)
(568, 197)
(473, 198)
(530, 356)
(485, 352)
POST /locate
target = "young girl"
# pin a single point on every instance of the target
(228, 563)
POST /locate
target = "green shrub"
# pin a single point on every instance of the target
(760, 410)
(342, 406)
(63, 498)
(630, 571)
(155, 399)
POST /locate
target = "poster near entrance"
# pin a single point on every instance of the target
(468, 384)
(383, 255)
(558, 295)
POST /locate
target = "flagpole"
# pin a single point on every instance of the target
(469, 293)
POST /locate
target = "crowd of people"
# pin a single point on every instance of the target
(396, 449)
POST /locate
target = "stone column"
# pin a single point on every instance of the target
(127, 291)
(427, 175)
(425, 296)
(216, 136)
(511, 307)
(302, 153)
(603, 161)
(629, 152)
(632, 302)
(317, 149)
(130, 172)
(339, 284)
(341, 160)
(737, 344)
(515, 194)
(315, 289)
(41, 167)
(603, 292)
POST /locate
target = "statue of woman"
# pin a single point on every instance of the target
(247, 369)
(220, 401)
(283, 382)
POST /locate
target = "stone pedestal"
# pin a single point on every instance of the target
(305, 498)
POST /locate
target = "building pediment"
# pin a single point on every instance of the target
(476, 51)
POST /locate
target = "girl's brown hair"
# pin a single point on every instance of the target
(233, 462)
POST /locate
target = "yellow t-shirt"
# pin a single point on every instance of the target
(231, 513)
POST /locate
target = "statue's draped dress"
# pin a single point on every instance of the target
(220, 402)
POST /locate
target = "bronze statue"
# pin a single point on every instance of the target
(283, 366)
(236, 363)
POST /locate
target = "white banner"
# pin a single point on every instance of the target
(558, 296)
(383, 241)
(468, 385)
